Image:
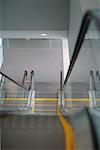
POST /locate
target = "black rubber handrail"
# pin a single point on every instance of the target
(89, 15)
(12, 80)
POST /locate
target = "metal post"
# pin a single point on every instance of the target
(31, 86)
(61, 80)
(61, 102)
(98, 76)
(92, 91)
(24, 77)
(61, 87)
(31, 101)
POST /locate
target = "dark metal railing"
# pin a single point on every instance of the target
(13, 81)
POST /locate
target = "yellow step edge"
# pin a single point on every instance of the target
(14, 104)
(48, 99)
(68, 133)
(80, 99)
(45, 99)
(14, 99)
(77, 99)
(45, 105)
(33, 109)
(76, 105)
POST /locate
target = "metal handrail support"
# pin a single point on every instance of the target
(98, 75)
(31, 101)
(1, 80)
(61, 102)
(92, 81)
(24, 78)
(31, 86)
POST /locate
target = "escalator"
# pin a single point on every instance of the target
(74, 121)
(31, 132)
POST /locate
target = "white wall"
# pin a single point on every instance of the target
(1, 53)
(46, 61)
(66, 59)
(75, 17)
(0, 14)
(89, 4)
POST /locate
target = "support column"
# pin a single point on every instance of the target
(63, 100)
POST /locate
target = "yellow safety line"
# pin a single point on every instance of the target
(76, 105)
(49, 99)
(14, 104)
(14, 99)
(97, 99)
(45, 110)
(46, 99)
(45, 105)
(37, 99)
(33, 109)
(78, 99)
(68, 132)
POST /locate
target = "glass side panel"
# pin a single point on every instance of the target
(96, 120)
(78, 92)
(97, 96)
(12, 96)
(77, 10)
(82, 130)
(1, 53)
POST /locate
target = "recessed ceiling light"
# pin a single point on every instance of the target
(43, 34)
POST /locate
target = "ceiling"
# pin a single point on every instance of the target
(24, 21)
(34, 34)
(30, 18)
